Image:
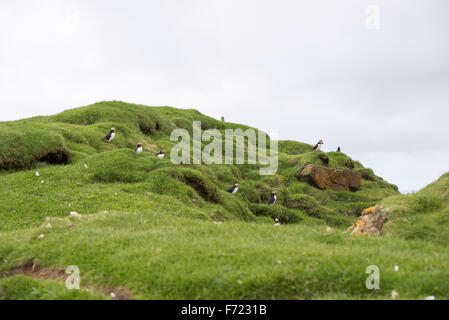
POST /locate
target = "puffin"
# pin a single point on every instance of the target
(139, 148)
(272, 198)
(161, 154)
(234, 188)
(108, 138)
(276, 222)
(339, 149)
(317, 147)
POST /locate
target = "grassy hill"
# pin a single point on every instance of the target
(151, 229)
(421, 215)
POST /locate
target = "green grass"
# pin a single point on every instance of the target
(25, 288)
(163, 231)
(161, 255)
(423, 215)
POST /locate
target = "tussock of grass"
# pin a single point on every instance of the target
(306, 203)
(284, 215)
(201, 184)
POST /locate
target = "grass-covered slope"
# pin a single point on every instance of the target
(422, 215)
(95, 176)
(159, 230)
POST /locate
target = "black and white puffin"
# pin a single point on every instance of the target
(339, 149)
(317, 147)
(233, 189)
(272, 198)
(139, 148)
(161, 154)
(109, 136)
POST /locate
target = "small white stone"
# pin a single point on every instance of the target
(115, 194)
(113, 294)
(75, 215)
(218, 222)
(430, 298)
(41, 236)
(329, 229)
(85, 166)
(37, 174)
(394, 294)
(48, 226)
(42, 181)
(396, 268)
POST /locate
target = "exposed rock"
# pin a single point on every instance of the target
(370, 222)
(330, 178)
(324, 158)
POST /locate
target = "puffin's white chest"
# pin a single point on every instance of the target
(112, 136)
(274, 199)
(235, 190)
(160, 155)
(139, 149)
(319, 147)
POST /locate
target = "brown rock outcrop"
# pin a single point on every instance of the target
(370, 222)
(331, 178)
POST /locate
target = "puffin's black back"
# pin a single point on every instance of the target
(107, 137)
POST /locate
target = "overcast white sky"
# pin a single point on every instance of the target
(311, 69)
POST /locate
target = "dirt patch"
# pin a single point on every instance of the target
(30, 269)
(120, 294)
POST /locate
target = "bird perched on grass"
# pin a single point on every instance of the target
(272, 198)
(110, 136)
(139, 148)
(339, 149)
(161, 154)
(318, 146)
(233, 189)
(276, 222)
